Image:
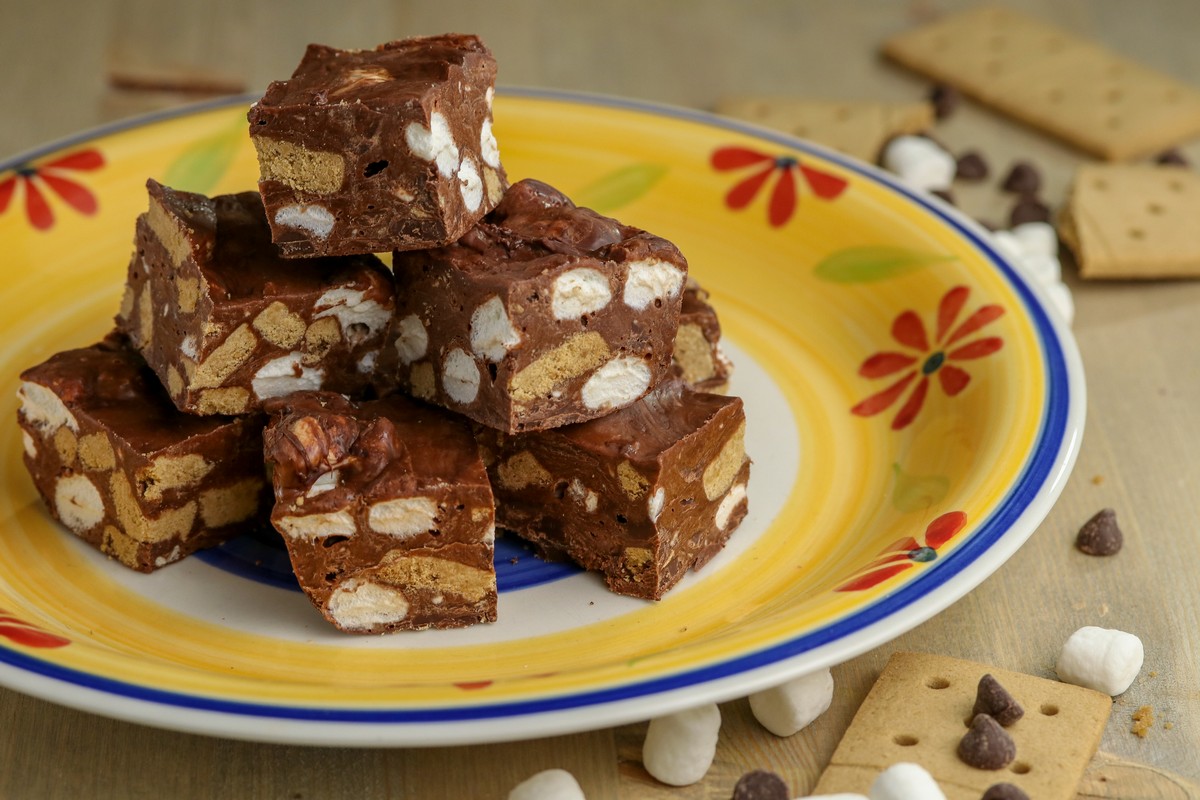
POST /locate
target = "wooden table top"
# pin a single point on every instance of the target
(72, 66)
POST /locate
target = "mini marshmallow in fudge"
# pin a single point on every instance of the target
(699, 360)
(367, 151)
(385, 509)
(122, 468)
(641, 495)
(226, 323)
(544, 314)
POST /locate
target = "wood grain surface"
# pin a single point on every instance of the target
(69, 66)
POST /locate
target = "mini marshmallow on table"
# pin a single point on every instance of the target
(680, 747)
(550, 784)
(905, 781)
(1032, 247)
(920, 162)
(791, 706)
(1102, 659)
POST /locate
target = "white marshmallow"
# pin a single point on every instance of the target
(550, 784)
(1032, 247)
(680, 747)
(315, 219)
(1008, 246)
(616, 384)
(1042, 268)
(460, 376)
(1063, 302)
(1101, 658)
(791, 706)
(278, 377)
(905, 781)
(492, 332)
(1037, 238)
(920, 162)
(838, 796)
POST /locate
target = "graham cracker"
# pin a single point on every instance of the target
(1053, 80)
(855, 128)
(920, 707)
(1133, 221)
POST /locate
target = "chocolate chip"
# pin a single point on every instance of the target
(1028, 209)
(1100, 535)
(1004, 791)
(760, 785)
(945, 100)
(1022, 178)
(1172, 158)
(972, 166)
(994, 700)
(986, 745)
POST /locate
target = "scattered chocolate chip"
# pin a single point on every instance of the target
(1028, 209)
(1022, 178)
(1172, 158)
(1100, 535)
(945, 100)
(760, 785)
(994, 700)
(1004, 791)
(972, 166)
(944, 194)
(986, 745)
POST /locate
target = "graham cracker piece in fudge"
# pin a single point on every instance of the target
(1055, 81)
(921, 706)
(1133, 221)
(856, 128)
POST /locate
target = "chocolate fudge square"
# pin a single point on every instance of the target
(226, 323)
(368, 151)
(699, 360)
(641, 495)
(543, 314)
(121, 467)
(385, 509)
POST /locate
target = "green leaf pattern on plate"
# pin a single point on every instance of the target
(202, 165)
(620, 187)
(868, 263)
(917, 492)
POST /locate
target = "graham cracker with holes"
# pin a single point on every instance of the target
(855, 128)
(1057, 82)
(918, 711)
(1133, 221)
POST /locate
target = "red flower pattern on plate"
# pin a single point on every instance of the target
(783, 200)
(904, 553)
(22, 632)
(926, 359)
(52, 176)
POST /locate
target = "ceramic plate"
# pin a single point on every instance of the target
(913, 412)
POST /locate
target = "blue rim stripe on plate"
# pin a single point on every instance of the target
(1048, 448)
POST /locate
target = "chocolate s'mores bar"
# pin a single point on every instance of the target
(226, 323)
(385, 509)
(367, 151)
(542, 315)
(123, 469)
(641, 495)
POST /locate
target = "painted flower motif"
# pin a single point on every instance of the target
(22, 632)
(52, 176)
(783, 199)
(905, 553)
(927, 359)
